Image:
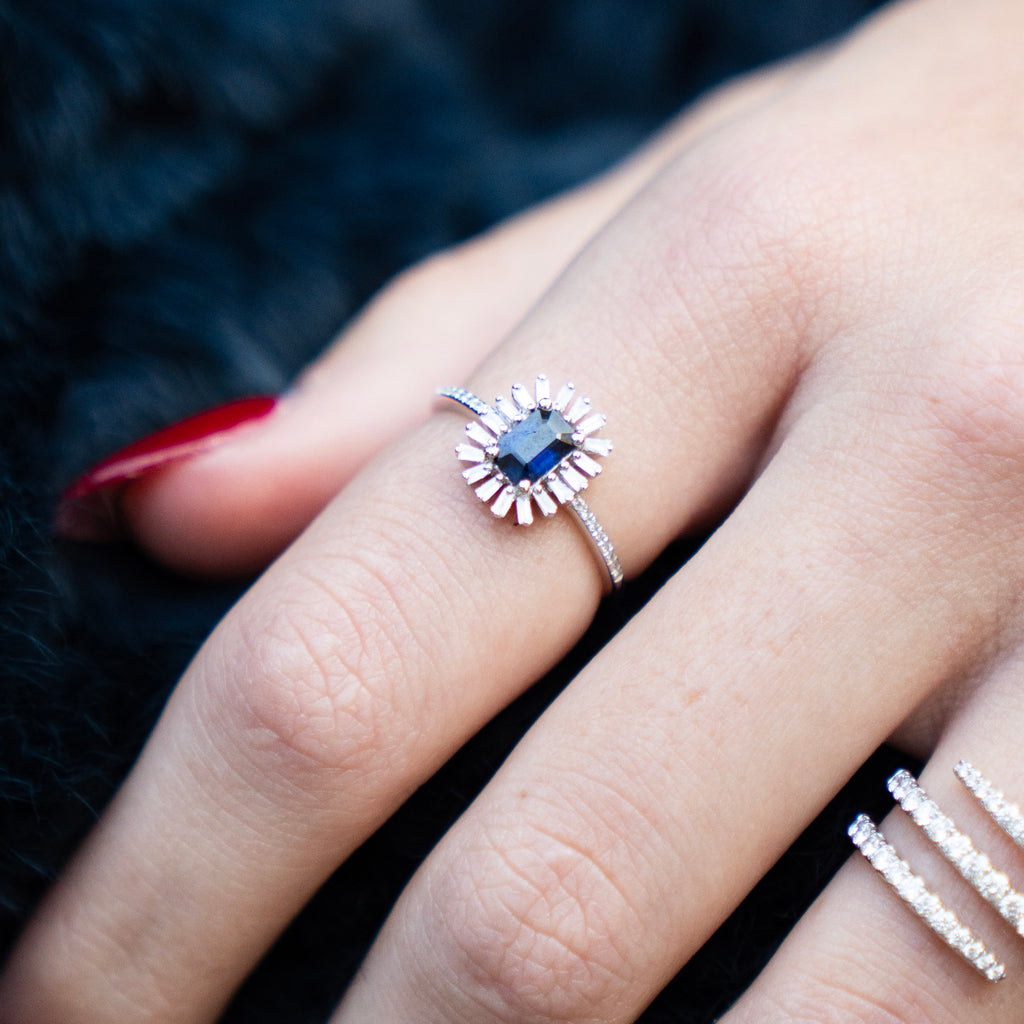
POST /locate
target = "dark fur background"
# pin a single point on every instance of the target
(194, 196)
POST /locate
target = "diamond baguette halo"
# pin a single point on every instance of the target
(534, 452)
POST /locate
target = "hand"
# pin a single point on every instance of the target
(807, 326)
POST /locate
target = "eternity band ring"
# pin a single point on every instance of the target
(535, 450)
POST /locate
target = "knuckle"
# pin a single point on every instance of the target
(947, 436)
(936, 429)
(307, 694)
(320, 676)
(769, 204)
(755, 245)
(533, 930)
(977, 395)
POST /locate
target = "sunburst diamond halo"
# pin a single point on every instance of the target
(532, 449)
(535, 450)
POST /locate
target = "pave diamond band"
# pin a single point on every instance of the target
(536, 452)
(1005, 814)
(974, 866)
(589, 522)
(466, 398)
(912, 890)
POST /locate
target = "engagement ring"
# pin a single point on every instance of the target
(536, 451)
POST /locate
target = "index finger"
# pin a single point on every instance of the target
(405, 617)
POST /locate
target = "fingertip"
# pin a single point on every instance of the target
(223, 493)
(199, 531)
(217, 494)
(230, 512)
(184, 439)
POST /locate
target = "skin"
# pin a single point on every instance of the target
(802, 309)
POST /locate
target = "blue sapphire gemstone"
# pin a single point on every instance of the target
(534, 446)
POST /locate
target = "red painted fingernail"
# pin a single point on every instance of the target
(87, 507)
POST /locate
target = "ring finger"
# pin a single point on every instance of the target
(337, 685)
(861, 954)
(686, 757)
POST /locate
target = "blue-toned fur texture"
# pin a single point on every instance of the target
(194, 196)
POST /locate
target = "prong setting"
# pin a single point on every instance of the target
(522, 399)
(579, 409)
(564, 397)
(542, 391)
(528, 450)
(508, 410)
(476, 431)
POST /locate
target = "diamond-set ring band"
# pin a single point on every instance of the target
(536, 451)
(974, 866)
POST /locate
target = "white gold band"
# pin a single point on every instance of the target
(586, 518)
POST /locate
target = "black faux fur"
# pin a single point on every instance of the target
(194, 196)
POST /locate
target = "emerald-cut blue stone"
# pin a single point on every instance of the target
(534, 446)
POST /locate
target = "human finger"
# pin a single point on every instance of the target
(229, 501)
(860, 953)
(696, 746)
(338, 684)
